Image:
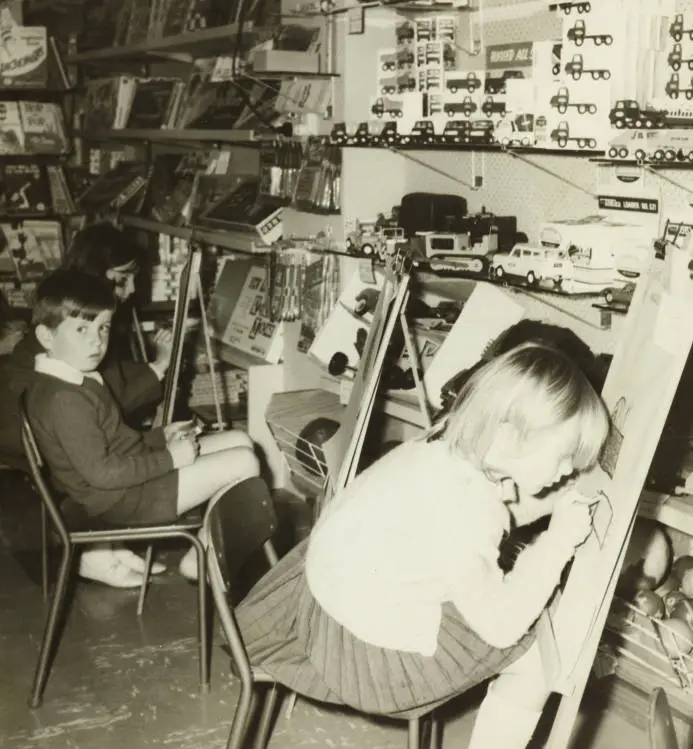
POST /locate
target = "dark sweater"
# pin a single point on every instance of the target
(133, 384)
(93, 456)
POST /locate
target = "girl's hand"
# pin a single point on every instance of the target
(183, 451)
(572, 517)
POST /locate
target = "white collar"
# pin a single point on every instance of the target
(57, 368)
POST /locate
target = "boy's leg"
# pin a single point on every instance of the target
(513, 705)
(211, 472)
(213, 443)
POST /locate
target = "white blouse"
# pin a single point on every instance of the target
(418, 528)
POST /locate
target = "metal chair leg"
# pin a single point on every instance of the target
(268, 710)
(49, 634)
(145, 578)
(413, 740)
(202, 614)
(44, 551)
(435, 735)
(241, 718)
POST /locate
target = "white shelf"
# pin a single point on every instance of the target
(671, 510)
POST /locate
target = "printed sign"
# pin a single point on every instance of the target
(512, 55)
(616, 203)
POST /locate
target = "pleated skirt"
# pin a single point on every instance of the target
(289, 636)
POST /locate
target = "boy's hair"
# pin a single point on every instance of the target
(532, 387)
(69, 292)
(100, 247)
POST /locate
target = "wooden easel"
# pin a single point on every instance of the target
(639, 390)
(190, 282)
(343, 450)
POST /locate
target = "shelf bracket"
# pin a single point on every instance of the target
(442, 172)
(664, 178)
(515, 155)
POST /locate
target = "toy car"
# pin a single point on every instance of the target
(534, 264)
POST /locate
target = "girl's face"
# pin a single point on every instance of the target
(538, 462)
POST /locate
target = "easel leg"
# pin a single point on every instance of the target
(410, 344)
(219, 426)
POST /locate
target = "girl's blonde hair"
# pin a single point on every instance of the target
(531, 387)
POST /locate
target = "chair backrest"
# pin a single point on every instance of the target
(239, 522)
(37, 469)
(660, 722)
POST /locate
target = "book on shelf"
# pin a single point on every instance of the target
(119, 189)
(61, 193)
(172, 185)
(24, 57)
(108, 101)
(44, 127)
(249, 328)
(155, 103)
(209, 189)
(34, 247)
(101, 22)
(241, 210)
(319, 296)
(137, 22)
(32, 127)
(26, 190)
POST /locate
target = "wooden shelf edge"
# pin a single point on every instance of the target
(162, 135)
(178, 43)
(228, 239)
(671, 510)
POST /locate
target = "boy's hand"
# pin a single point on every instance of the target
(179, 430)
(572, 517)
(183, 451)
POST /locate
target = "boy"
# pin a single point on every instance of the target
(107, 470)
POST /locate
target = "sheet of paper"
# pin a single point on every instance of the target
(487, 313)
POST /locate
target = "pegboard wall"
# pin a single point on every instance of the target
(536, 188)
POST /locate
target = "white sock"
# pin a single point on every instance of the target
(501, 724)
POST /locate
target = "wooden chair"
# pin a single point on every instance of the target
(238, 524)
(89, 532)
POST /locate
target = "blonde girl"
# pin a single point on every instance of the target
(396, 602)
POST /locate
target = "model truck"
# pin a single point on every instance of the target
(627, 113)
(471, 82)
(675, 58)
(677, 30)
(561, 135)
(578, 35)
(392, 107)
(674, 90)
(496, 84)
(467, 107)
(561, 101)
(491, 106)
(576, 68)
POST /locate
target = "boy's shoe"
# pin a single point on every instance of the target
(136, 563)
(188, 565)
(104, 567)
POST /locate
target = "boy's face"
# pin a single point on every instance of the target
(78, 342)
